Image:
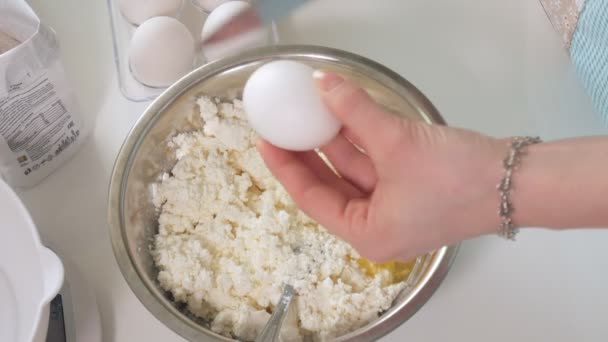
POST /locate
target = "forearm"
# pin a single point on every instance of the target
(563, 184)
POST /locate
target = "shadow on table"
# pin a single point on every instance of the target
(69, 210)
(85, 42)
(468, 260)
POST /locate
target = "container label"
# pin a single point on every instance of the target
(35, 123)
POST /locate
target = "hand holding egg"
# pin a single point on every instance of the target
(284, 108)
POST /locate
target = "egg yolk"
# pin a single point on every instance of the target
(399, 271)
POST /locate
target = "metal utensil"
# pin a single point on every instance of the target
(273, 327)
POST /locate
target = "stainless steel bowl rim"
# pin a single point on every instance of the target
(188, 329)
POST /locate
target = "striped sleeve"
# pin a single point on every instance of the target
(589, 52)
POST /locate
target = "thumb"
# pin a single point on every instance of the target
(361, 116)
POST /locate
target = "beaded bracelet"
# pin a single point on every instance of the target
(508, 229)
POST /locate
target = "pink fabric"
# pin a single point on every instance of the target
(563, 15)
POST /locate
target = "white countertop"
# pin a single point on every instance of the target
(492, 65)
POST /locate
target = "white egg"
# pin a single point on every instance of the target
(239, 43)
(162, 51)
(284, 107)
(210, 5)
(138, 11)
(222, 14)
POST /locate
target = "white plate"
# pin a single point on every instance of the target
(30, 274)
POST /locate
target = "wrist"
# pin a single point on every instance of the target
(502, 183)
(529, 195)
(561, 185)
(483, 217)
(555, 185)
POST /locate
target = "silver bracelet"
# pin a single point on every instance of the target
(508, 229)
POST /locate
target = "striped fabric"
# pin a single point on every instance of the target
(589, 52)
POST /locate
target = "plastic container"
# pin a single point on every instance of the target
(41, 122)
(191, 15)
(200, 4)
(31, 275)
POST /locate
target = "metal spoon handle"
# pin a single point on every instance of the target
(273, 327)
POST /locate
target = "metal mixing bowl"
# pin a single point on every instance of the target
(144, 155)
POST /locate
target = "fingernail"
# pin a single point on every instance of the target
(327, 81)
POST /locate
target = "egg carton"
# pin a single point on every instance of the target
(190, 14)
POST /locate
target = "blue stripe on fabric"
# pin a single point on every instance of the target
(589, 53)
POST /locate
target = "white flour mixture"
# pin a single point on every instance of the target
(229, 236)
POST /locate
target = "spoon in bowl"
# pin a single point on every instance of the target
(271, 331)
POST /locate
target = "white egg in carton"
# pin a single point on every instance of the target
(156, 42)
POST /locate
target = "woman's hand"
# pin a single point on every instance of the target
(417, 187)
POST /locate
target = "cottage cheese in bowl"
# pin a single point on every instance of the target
(230, 236)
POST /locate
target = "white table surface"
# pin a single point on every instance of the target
(493, 65)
